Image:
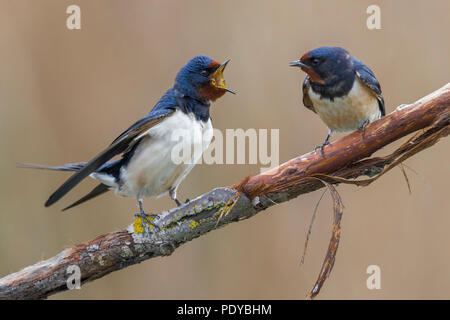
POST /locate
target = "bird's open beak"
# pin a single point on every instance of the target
(298, 63)
(217, 78)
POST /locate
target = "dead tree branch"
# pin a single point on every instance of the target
(345, 160)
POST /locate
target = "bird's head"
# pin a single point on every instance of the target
(202, 78)
(325, 64)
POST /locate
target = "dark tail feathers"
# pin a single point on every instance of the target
(65, 167)
(98, 190)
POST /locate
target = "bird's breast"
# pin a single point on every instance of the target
(162, 158)
(349, 112)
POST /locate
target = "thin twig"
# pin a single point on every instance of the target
(310, 227)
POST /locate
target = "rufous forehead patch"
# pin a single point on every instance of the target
(304, 57)
(214, 64)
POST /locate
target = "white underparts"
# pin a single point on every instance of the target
(350, 112)
(152, 171)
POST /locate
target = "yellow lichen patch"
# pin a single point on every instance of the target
(139, 225)
(193, 225)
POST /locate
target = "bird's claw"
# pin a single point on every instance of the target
(321, 148)
(148, 218)
(179, 203)
(363, 128)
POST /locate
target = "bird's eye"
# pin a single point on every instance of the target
(204, 72)
(315, 61)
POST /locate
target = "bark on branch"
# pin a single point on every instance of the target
(345, 160)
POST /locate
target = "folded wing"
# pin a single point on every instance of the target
(367, 77)
(121, 144)
(306, 99)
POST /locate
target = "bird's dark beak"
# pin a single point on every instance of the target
(298, 63)
(217, 79)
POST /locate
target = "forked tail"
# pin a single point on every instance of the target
(98, 190)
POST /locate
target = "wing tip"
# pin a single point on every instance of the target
(51, 200)
(67, 208)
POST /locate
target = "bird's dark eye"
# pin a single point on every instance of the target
(315, 61)
(204, 72)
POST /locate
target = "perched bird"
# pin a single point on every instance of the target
(146, 167)
(342, 90)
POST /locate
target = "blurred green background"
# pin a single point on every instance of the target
(65, 94)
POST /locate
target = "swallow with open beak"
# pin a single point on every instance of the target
(146, 166)
(342, 90)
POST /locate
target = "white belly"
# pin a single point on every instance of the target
(347, 113)
(152, 170)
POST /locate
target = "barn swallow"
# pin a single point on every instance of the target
(342, 90)
(145, 167)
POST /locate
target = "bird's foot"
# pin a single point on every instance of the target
(146, 220)
(321, 148)
(179, 203)
(363, 128)
(326, 142)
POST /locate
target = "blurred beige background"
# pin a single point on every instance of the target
(64, 95)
